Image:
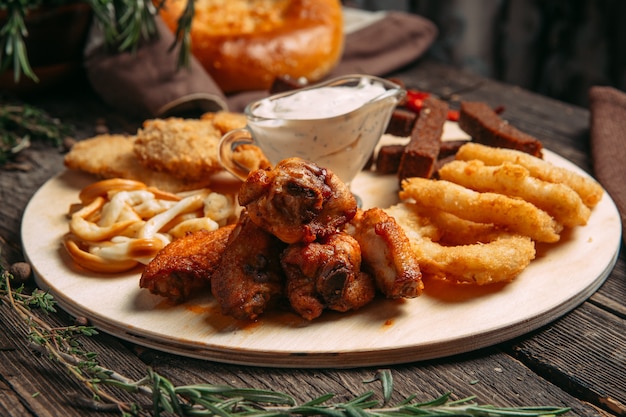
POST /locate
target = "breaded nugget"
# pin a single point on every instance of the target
(248, 155)
(251, 157)
(106, 156)
(225, 121)
(184, 148)
(112, 156)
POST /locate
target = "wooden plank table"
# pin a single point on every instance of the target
(577, 361)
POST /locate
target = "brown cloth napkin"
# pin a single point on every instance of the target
(608, 143)
(147, 84)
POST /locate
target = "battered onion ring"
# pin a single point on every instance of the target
(559, 200)
(588, 189)
(513, 215)
(492, 257)
(501, 259)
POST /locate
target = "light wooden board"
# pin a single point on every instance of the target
(443, 321)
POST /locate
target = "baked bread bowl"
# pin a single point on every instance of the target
(245, 45)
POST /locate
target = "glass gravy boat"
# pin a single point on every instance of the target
(314, 125)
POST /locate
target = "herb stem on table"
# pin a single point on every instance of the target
(20, 124)
(61, 344)
(125, 24)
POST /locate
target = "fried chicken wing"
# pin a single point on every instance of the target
(186, 264)
(326, 274)
(387, 253)
(297, 201)
(249, 275)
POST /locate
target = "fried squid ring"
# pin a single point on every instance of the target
(122, 223)
(491, 257)
(94, 262)
(87, 230)
(102, 188)
(510, 214)
(588, 189)
(513, 180)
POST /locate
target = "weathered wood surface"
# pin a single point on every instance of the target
(577, 361)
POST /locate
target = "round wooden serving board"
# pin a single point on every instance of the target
(445, 320)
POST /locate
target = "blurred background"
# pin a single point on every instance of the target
(558, 48)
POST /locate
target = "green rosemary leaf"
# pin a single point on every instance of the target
(182, 36)
(157, 398)
(407, 400)
(258, 395)
(367, 404)
(188, 392)
(361, 398)
(168, 389)
(319, 400)
(386, 380)
(137, 23)
(546, 409)
(255, 412)
(322, 411)
(460, 401)
(217, 411)
(487, 410)
(19, 124)
(12, 41)
(352, 411)
(443, 399)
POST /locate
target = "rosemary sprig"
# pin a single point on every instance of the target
(125, 25)
(19, 124)
(12, 39)
(62, 346)
(135, 23)
(183, 35)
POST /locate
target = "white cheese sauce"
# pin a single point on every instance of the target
(319, 103)
(335, 127)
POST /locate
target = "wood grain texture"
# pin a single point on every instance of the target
(598, 376)
(550, 366)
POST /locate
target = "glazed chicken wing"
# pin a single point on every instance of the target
(186, 264)
(387, 253)
(297, 201)
(249, 275)
(326, 274)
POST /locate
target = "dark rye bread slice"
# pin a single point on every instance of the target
(388, 159)
(389, 156)
(420, 155)
(401, 122)
(486, 127)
